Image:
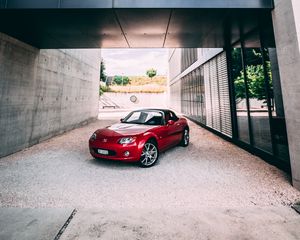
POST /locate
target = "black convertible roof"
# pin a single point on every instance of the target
(154, 109)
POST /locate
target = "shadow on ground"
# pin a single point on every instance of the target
(112, 164)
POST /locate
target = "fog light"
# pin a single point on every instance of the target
(126, 154)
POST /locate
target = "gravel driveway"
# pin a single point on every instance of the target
(210, 172)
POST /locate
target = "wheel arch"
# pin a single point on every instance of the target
(153, 139)
(147, 137)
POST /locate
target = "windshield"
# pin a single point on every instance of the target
(144, 117)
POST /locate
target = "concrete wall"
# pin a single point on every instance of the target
(296, 12)
(44, 92)
(286, 22)
(144, 100)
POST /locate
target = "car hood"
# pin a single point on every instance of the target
(124, 129)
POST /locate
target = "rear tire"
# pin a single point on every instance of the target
(149, 155)
(185, 138)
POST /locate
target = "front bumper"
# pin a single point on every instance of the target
(116, 151)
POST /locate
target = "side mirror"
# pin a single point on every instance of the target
(121, 120)
(171, 122)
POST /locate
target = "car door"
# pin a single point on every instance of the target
(174, 129)
(161, 132)
(163, 137)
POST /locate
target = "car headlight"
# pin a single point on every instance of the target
(127, 140)
(94, 136)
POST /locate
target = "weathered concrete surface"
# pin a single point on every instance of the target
(44, 92)
(286, 20)
(209, 173)
(31, 224)
(144, 100)
(276, 223)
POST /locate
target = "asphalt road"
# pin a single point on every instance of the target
(60, 173)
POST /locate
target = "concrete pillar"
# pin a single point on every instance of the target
(286, 20)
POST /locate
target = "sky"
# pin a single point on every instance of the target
(134, 62)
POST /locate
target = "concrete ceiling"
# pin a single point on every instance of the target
(118, 4)
(44, 26)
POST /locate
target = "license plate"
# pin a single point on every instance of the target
(103, 152)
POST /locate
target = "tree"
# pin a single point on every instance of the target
(121, 80)
(102, 71)
(151, 73)
(103, 88)
(255, 81)
(255, 75)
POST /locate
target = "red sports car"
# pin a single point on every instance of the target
(140, 137)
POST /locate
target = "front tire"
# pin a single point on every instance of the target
(149, 155)
(185, 138)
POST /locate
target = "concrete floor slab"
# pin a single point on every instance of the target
(274, 223)
(31, 224)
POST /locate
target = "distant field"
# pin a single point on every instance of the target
(153, 88)
(143, 84)
(143, 80)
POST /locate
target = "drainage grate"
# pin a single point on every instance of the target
(63, 228)
(296, 207)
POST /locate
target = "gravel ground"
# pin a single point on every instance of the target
(209, 173)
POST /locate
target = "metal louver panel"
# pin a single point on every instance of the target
(189, 56)
(217, 95)
(208, 97)
(205, 93)
(226, 127)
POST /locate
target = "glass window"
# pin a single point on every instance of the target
(240, 94)
(278, 118)
(258, 95)
(194, 95)
(197, 95)
(144, 117)
(202, 96)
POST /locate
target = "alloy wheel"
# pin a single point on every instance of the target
(186, 137)
(149, 154)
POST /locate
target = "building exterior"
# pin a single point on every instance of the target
(247, 91)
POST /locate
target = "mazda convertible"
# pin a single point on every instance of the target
(140, 137)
